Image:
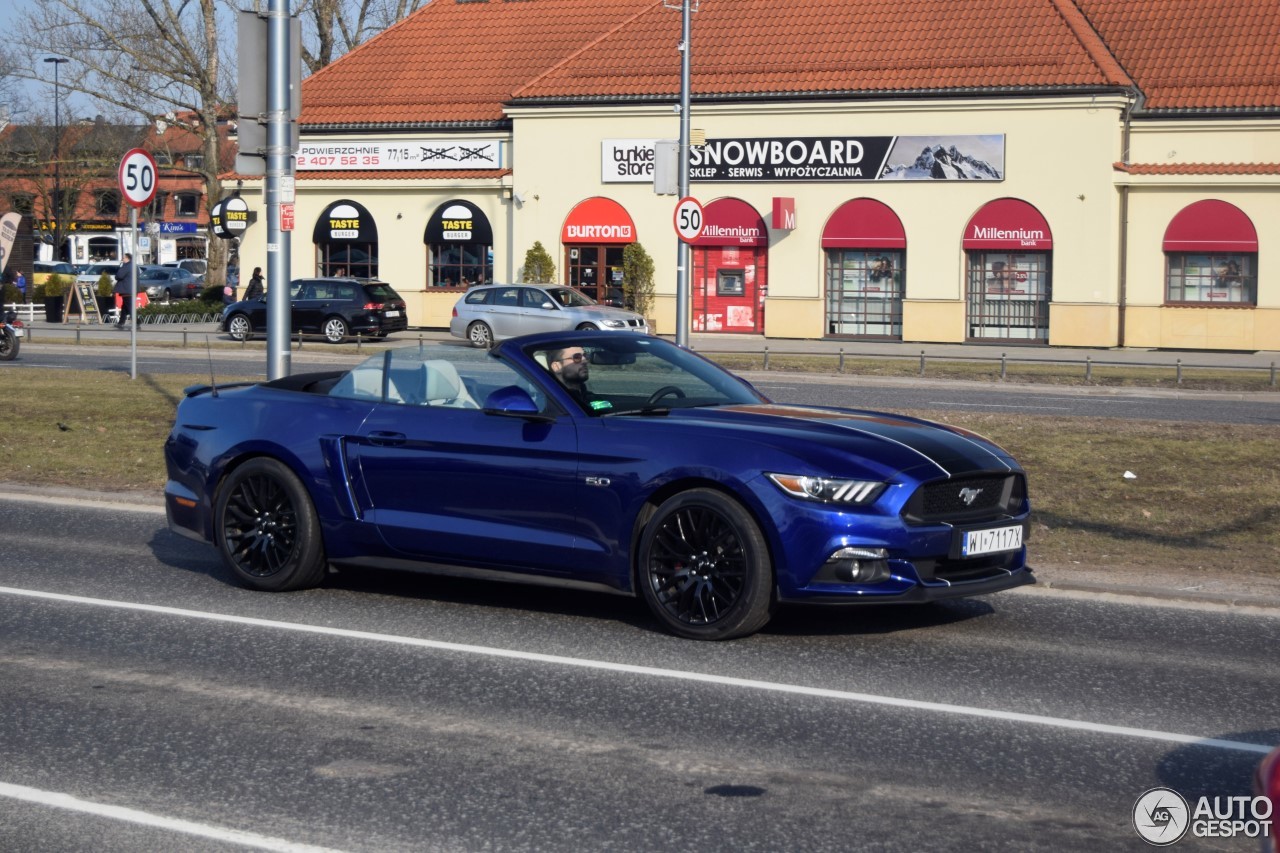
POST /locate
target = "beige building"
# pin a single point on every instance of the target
(863, 173)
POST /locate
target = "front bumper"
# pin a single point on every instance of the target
(903, 590)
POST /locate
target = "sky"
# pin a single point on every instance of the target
(34, 92)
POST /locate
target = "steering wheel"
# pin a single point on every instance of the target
(665, 391)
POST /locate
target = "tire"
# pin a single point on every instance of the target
(480, 335)
(9, 345)
(335, 330)
(239, 327)
(588, 327)
(703, 567)
(266, 528)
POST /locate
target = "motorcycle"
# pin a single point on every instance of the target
(11, 335)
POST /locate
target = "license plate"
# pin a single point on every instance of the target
(17, 333)
(391, 314)
(993, 540)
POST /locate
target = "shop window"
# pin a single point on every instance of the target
(864, 292)
(356, 260)
(1211, 279)
(460, 265)
(1009, 296)
(186, 205)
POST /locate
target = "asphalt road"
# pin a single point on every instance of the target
(389, 712)
(890, 394)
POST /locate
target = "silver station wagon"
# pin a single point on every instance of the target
(495, 312)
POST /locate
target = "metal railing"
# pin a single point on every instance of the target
(1086, 365)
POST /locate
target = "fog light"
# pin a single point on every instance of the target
(859, 565)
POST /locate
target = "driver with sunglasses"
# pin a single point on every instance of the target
(569, 366)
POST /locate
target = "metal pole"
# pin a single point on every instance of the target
(133, 293)
(279, 165)
(57, 157)
(683, 250)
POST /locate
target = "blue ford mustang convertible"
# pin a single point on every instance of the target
(609, 461)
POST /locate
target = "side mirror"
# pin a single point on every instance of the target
(515, 402)
(548, 306)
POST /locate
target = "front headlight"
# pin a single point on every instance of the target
(829, 490)
(613, 324)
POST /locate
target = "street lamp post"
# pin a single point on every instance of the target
(57, 157)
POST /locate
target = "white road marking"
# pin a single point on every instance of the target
(233, 836)
(655, 672)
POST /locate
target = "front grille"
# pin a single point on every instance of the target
(636, 323)
(974, 497)
(971, 569)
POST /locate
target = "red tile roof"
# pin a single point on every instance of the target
(856, 47)
(457, 64)
(1195, 55)
(1198, 168)
(454, 63)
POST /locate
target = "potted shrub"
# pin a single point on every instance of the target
(104, 292)
(538, 267)
(55, 292)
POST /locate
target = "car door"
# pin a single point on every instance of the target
(503, 313)
(453, 484)
(304, 306)
(539, 312)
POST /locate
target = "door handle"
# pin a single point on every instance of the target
(383, 438)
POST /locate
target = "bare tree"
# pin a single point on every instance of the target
(144, 57)
(331, 28)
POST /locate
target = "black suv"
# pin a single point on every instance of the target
(336, 308)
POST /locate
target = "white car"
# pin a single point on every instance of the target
(95, 271)
(495, 312)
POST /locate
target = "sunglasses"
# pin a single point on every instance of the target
(577, 356)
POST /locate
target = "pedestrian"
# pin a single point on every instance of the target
(21, 283)
(254, 290)
(124, 288)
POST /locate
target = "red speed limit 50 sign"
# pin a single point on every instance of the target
(688, 219)
(138, 178)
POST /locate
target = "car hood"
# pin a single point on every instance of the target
(604, 312)
(884, 442)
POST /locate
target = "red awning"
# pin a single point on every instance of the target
(1008, 224)
(598, 220)
(864, 223)
(731, 222)
(1211, 226)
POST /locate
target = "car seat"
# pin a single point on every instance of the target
(444, 387)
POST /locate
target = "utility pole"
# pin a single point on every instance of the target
(57, 158)
(683, 250)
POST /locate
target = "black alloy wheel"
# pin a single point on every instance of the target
(704, 567)
(267, 529)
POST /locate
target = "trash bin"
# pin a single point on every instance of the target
(54, 308)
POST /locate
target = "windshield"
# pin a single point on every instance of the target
(638, 375)
(570, 298)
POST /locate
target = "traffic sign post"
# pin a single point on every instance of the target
(688, 219)
(137, 181)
